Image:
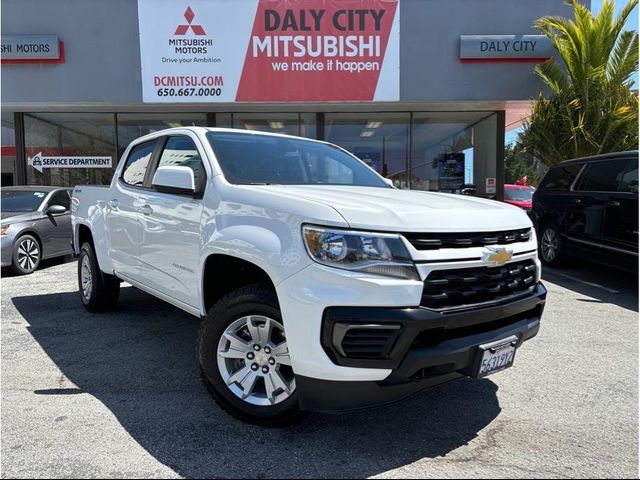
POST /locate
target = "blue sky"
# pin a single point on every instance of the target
(632, 24)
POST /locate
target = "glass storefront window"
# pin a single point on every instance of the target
(8, 144)
(69, 134)
(453, 152)
(298, 124)
(135, 125)
(432, 151)
(379, 139)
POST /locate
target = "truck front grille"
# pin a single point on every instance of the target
(467, 286)
(435, 241)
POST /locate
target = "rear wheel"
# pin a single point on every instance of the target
(551, 245)
(26, 255)
(98, 291)
(244, 358)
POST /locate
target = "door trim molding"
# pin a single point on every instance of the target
(600, 245)
(151, 291)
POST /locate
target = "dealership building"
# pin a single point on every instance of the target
(422, 90)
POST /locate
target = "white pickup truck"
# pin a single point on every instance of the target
(320, 286)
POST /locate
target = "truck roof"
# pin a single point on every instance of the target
(603, 156)
(169, 131)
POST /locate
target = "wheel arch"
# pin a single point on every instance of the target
(34, 234)
(224, 273)
(83, 232)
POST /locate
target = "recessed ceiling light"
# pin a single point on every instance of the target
(174, 124)
(368, 133)
(276, 125)
(374, 124)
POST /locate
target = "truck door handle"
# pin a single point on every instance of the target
(113, 203)
(146, 210)
(613, 203)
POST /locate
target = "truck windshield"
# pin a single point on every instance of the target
(250, 159)
(22, 200)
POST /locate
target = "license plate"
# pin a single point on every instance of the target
(497, 356)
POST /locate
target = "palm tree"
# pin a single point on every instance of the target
(591, 108)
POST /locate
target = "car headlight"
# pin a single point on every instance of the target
(3, 230)
(377, 253)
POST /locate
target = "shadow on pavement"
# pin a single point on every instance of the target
(603, 284)
(140, 362)
(44, 264)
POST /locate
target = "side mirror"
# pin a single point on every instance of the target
(174, 179)
(56, 209)
(389, 182)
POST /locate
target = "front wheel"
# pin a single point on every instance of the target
(551, 245)
(98, 291)
(244, 358)
(26, 255)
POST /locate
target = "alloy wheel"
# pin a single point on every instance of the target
(86, 281)
(549, 244)
(28, 254)
(254, 362)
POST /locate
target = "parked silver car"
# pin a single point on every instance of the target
(35, 225)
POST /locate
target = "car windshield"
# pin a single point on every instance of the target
(250, 159)
(519, 194)
(22, 200)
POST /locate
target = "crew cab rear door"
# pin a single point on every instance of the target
(621, 218)
(171, 226)
(122, 204)
(592, 194)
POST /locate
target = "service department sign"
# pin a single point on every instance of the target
(40, 162)
(507, 48)
(269, 50)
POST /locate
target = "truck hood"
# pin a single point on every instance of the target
(390, 209)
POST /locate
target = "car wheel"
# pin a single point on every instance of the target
(244, 358)
(551, 245)
(99, 292)
(26, 255)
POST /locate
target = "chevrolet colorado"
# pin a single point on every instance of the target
(320, 286)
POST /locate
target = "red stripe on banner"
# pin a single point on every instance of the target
(8, 151)
(327, 69)
(503, 60)
(60, 59)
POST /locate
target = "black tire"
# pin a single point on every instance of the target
(551, 245)
(257, 299)
(27, 254)
(105, 289)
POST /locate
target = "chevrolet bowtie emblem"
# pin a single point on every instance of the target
(496, 257)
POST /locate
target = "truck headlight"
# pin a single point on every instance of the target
(377, 253)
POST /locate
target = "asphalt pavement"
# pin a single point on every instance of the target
(119, 395)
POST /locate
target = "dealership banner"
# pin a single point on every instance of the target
(269, 50)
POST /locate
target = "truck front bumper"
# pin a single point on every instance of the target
(429, 348)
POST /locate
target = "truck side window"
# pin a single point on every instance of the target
(603, 176)
(180, 151)
(560, 178)
(137, 163)
(629, 182)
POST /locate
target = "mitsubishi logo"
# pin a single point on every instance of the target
(183, 29)
(496, 257)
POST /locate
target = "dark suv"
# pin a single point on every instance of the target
(588, 207)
